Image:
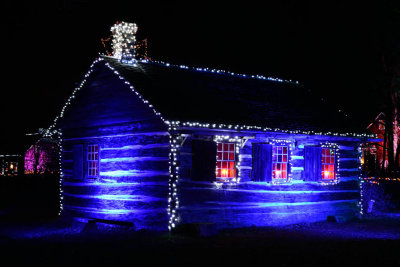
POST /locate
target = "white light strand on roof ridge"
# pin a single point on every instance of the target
(218, 71)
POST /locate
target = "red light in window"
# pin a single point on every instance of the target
(225, 167)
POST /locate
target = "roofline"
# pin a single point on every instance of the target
(175, 125)
(213, 71)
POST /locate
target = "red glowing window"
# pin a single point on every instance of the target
(93, 160)
(226, 163)
(328, 164)
(280, 155)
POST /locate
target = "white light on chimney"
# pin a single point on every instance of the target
(123, 42)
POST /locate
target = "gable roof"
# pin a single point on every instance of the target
(180, 93)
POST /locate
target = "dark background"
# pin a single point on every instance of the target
(334, 49)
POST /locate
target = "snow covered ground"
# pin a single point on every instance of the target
(373, 241)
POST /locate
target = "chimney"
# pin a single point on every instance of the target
(123, 42)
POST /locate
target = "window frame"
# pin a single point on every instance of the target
(96, 160)
(276, 154)
(335, 148)
(328, 168)
(229, 152)
(282, 143)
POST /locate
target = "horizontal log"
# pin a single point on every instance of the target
(269, 215)
(115, 136)
(132, 173)
(349, 164)
(132, 159)
(348, 172)
(142, 219)
(151, 189)
(159, 151)
(293, 186)
(201, 196)
(120, 202)
(248, 207)
(119, 168)
(139, 178)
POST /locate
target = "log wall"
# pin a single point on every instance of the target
(263, 204)
(133, 155)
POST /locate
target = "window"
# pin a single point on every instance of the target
(226, 169)
(328, 163)
(280, 162)
(92, 160)
(320, 163)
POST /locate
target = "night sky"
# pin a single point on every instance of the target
(333, 49)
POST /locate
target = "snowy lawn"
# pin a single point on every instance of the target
(370, 242)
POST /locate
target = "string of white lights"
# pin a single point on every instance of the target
(220, 71)
(360, 180)
(123, 42)
(238, 127)
(173, 200)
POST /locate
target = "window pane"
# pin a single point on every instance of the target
(226, 156)
(219, 146)
(231, 156)
(284, 158)
(232, 147)
(284, 150)
(225, 164)
(226, 147)
(231, 165)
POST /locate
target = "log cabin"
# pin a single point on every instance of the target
(161, 145)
